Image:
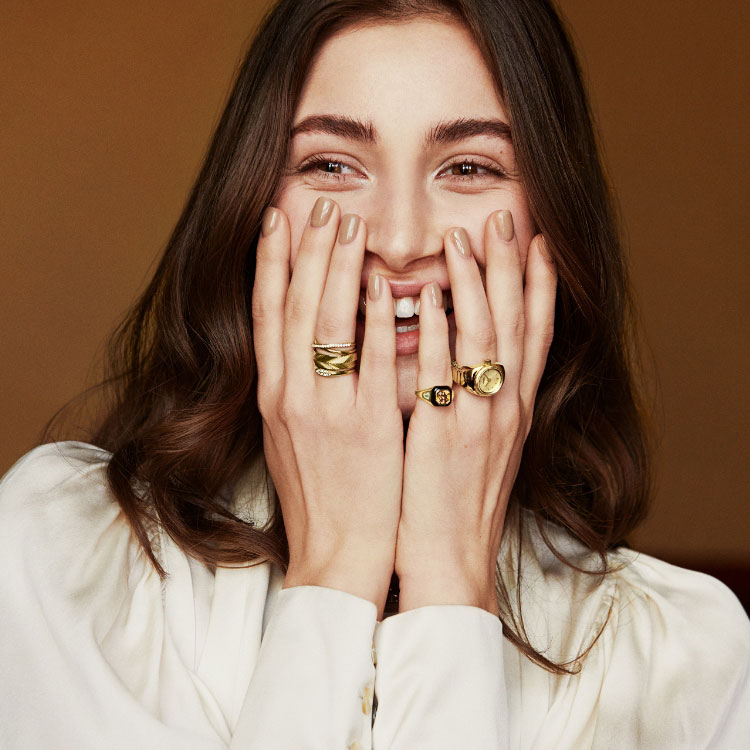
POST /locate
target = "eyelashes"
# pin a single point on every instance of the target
(468, 169)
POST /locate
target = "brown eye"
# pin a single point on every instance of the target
(332, 167)
(324, 168)
(471, 170)
(464, 168)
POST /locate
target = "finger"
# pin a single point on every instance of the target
(476, 339)
(377, 370)
(269, 293)
(306, 287)
(337, 315)
(505, 294)
(433, 368)
(539, 305)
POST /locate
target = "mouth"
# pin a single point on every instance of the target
(406, 319)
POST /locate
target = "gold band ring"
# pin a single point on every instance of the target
(438, 395)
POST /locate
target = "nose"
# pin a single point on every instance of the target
(401, 226)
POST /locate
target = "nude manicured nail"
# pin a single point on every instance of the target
(321, 212)
(270, 221)
(504, 225)
(348, 228)
(461, 242)
(374, 286)
(436, 294)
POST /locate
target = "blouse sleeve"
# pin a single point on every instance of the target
(439, 682)
(313, 683)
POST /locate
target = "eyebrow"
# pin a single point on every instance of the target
(364, 132)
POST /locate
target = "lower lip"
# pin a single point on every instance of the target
(406, 343)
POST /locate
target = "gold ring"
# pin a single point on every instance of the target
(330, 360)
(481, 380)
(318, 345)
(438, 395)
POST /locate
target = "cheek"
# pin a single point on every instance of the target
(297, 209)
(475, 220)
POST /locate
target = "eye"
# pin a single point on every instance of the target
(472, 170)
(326, 168)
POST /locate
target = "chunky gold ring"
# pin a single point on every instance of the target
(438, 395)
(481, 380)
(330, 360)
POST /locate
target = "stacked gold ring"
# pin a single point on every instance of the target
(330, 360)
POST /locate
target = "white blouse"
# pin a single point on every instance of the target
(97, 652)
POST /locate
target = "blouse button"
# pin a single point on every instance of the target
(355, 746)
(367, 699)
(374, 654)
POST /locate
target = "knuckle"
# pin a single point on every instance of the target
(512, 415)
(291, 409)
(331, 326)
(485, 340)
(547, 334)
(258, 309)
(517, 326)
(295, 310)
(266, 404)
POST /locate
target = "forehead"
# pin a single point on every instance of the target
(400, 74)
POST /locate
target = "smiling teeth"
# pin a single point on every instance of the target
(403, 307)
(406, 307)
(405, 329)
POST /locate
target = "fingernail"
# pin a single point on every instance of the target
(436, 294)
(461, 242)
(321, 212)
(504, 225)
(374, 286)
(270, 221)
(348, 228)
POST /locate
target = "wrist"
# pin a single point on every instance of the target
(358, 576)
(432, 587)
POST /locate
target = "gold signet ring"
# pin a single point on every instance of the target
(438, 395)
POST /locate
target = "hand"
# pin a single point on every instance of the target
(333, 445)
(461, 461)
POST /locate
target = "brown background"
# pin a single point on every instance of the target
(106, 109)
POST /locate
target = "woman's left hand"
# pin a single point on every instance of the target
(462, 460)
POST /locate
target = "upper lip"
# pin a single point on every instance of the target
(403, 288)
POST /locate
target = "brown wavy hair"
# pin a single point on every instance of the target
(183, 421)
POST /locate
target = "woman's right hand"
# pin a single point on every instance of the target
(333, 445)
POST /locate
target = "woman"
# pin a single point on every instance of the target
(372, 158)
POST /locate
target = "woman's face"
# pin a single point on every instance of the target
(436, 156)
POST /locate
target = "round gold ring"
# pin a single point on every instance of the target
(485, 379)
(438, 395)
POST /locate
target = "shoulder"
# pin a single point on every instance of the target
(48, 467)
(61, 530)
(643, 595)
(670, 661)
(669, 658)
(51, 491)
(692, 617)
